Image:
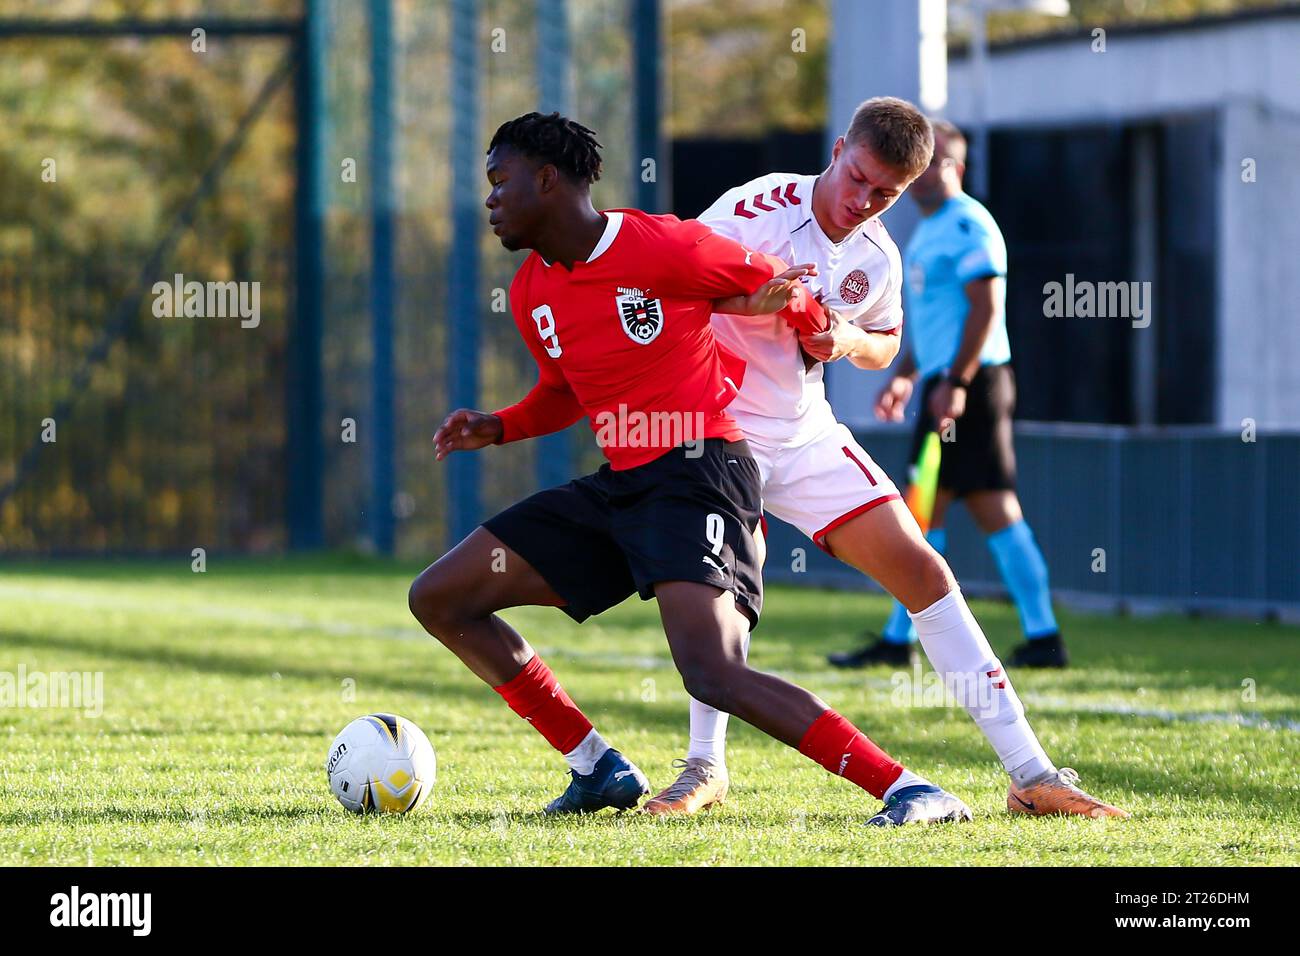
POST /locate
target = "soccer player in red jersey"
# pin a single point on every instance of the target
(615, 307)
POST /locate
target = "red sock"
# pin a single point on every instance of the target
(847, 752)
(536, 696)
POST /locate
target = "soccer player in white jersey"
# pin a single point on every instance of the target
(819, 479)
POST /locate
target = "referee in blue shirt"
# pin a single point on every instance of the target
(956, 264)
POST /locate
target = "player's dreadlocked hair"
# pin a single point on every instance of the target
(555, 139)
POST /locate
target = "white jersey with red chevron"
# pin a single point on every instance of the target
(860, 277)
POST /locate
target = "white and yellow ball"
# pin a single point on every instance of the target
(381, 763)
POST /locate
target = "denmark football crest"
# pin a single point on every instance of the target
(854, 287)
(642, 319)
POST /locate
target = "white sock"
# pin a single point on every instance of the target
(709, 730)
(708, 734)
(958, 650)
(906, 779)
(582, 758)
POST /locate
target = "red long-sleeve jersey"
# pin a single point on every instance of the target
(625, 337)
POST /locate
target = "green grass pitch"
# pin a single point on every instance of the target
(222, 691)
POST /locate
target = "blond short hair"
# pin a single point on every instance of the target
(896, 131)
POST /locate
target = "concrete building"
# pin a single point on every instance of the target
(1163, 154)
(1170, 154)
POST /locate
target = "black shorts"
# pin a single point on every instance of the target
(603, 537)
(982, 457)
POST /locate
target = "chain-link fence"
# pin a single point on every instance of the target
(171, 431)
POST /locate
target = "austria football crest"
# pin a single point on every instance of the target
(642, 318)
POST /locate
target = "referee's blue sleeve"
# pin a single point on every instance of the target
(984, 253)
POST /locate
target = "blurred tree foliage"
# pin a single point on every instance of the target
(738, 67)
(178, 436)
(179, 439)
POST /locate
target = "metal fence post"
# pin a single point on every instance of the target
(554, 461)
(646, 77)
(463, 493)
(303, 421)
(382, 205)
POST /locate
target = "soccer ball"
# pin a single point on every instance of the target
(381, 762)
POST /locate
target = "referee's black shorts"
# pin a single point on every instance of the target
(689, 515)
(982, 456)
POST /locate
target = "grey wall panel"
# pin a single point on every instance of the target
(1066, 490)
(1227, 550)
(1281, 518)
(1152, 557)
(1188, 518)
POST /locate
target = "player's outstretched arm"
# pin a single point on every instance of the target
(785, 295)
(467, 430)
(772, 296)
(698, 263)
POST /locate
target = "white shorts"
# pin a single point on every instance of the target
(821, 484)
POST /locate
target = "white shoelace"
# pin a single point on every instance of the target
(687, 780)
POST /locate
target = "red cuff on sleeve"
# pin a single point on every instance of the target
(505, 414)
